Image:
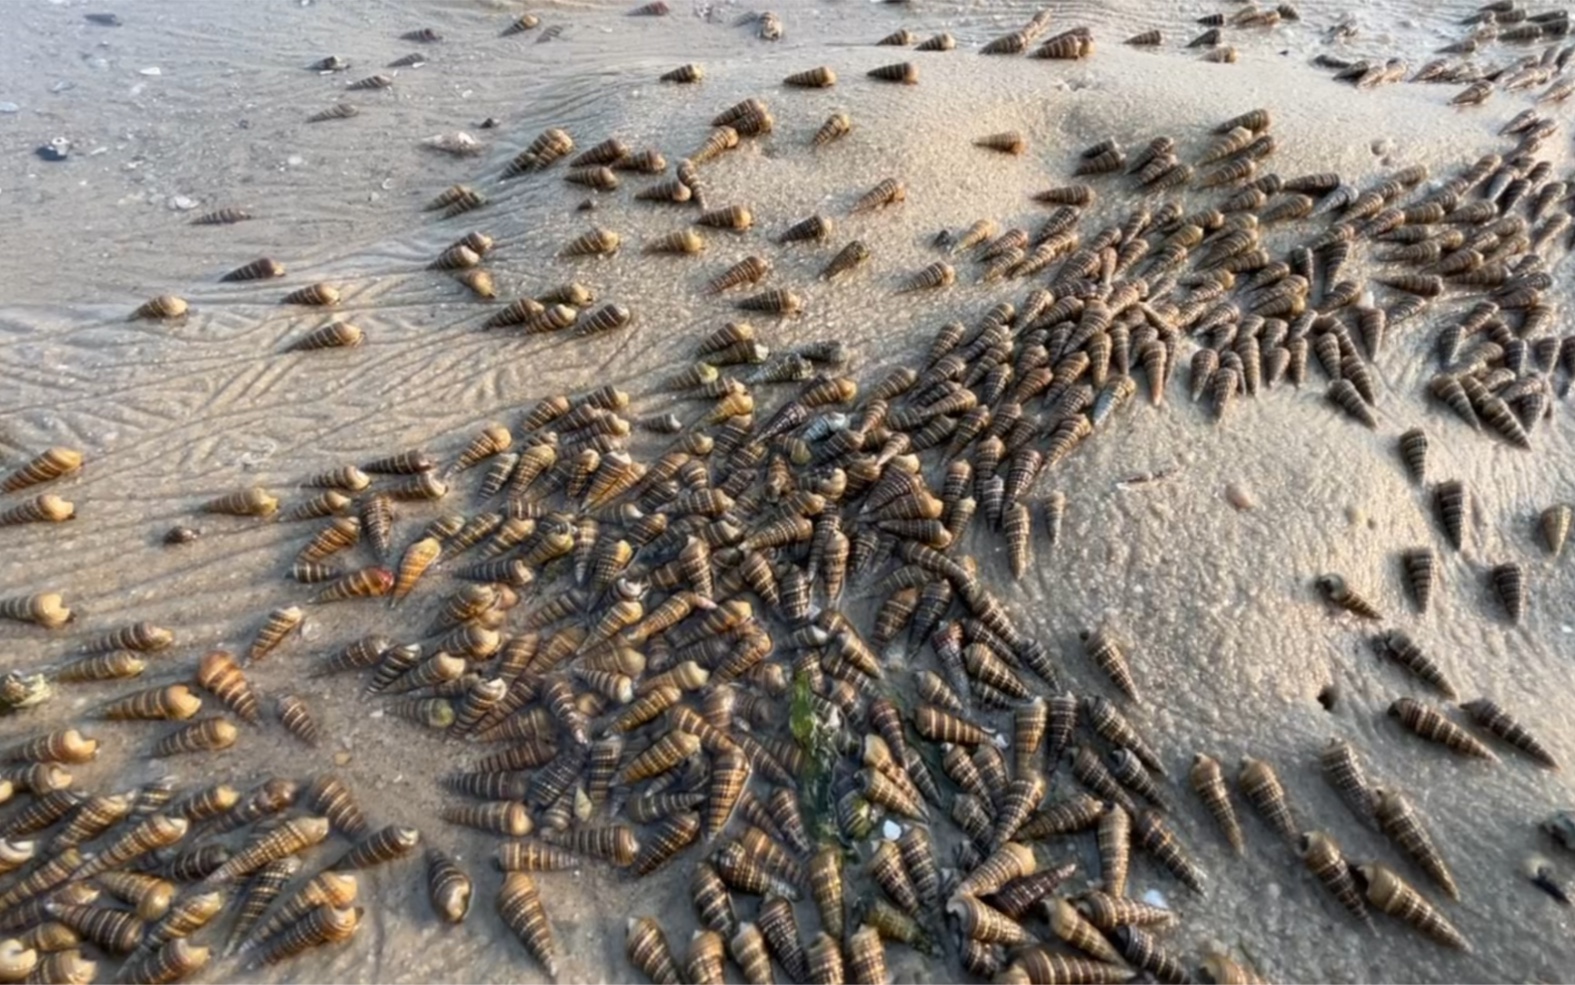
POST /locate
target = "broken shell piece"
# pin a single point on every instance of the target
(459, 143)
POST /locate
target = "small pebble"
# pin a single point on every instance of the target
(181, 535)
(150, 70)
(9, 108)
(1239, 497)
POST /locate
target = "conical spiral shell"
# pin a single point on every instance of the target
(313, 295)
(448, 887)
(820, 77)
(259, 269)
(1391, 894)
(255, 501)
(46, 609)
(163, 306)
(219, 675)
(174, 702)
(596, 242)
(47, 508)
(1430, 724)
(685, 74)
(520, 907)
(46, 467)
(208, 735)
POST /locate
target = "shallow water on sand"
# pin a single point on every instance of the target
(1228, 640)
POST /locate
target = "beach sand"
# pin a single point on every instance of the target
(1227, 638)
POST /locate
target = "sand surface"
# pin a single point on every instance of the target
(1227, 638)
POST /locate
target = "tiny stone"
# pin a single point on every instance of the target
(181, 203)
(151, 70)
(9, 108)
(890, 830)
(341, 759)
(295, 160)
(181, 535)
(1239, 497)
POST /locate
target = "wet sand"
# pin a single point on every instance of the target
(1228, 640)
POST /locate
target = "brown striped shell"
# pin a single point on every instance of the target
(314, 295)
(296, 717)
(1509, 584)
(688, 73)
(851, 256)
(259, 269)
(521, 24)
(1208, 781)
(163, 306)
(337, 111)
(1494, 719)
(1430, 724)
(1007, 142)
(1391, 894)
(596, 242)
(207, 735)
(1323, 857)
(1554, 524)
(819, 77)
(218, 674)
(1336, 592)
(836, 126)
(904, 72)
(222, 217)
(1262, 787)
(887, 192)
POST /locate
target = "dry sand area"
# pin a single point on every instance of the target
(1196, 542)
